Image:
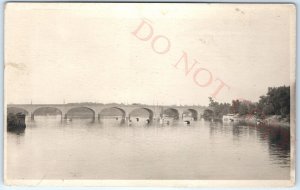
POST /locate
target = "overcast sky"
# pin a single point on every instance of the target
(88, 52)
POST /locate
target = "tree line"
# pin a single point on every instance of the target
(275, 102)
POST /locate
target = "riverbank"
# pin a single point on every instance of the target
(274, 120)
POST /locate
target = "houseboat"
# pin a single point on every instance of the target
(230, 118)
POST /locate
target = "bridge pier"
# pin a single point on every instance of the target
(180, 114)
(123, 120)
(200, 116)
(31, 116)
(63, 115)
(156, 116)
(98, 117)
(127, 117)
(95, 117)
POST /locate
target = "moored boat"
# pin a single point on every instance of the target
(16, 122)
(230, 118)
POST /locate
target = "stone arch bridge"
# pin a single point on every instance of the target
(155, 112)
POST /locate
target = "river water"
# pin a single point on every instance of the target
(49, 149)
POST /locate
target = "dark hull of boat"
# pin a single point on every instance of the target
(16, 122)
(13, 128)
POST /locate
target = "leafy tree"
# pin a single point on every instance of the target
(235, 106)
(243, 109)
(220, 109)
(276, 102)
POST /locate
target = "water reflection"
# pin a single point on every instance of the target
(278, 139)
(18, 132)
(81, 149)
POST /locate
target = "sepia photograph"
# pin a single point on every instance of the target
(149, 94)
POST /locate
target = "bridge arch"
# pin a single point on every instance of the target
(190, 113)
(80, 112)
(112, 113)
(171, 112)
(47, 110)
(15, 110)
(141, 113)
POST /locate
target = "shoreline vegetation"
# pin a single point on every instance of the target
(272, 109)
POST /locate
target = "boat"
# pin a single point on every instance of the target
(16, 122)
(166, 120)
(187, 120)
(230, 118)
